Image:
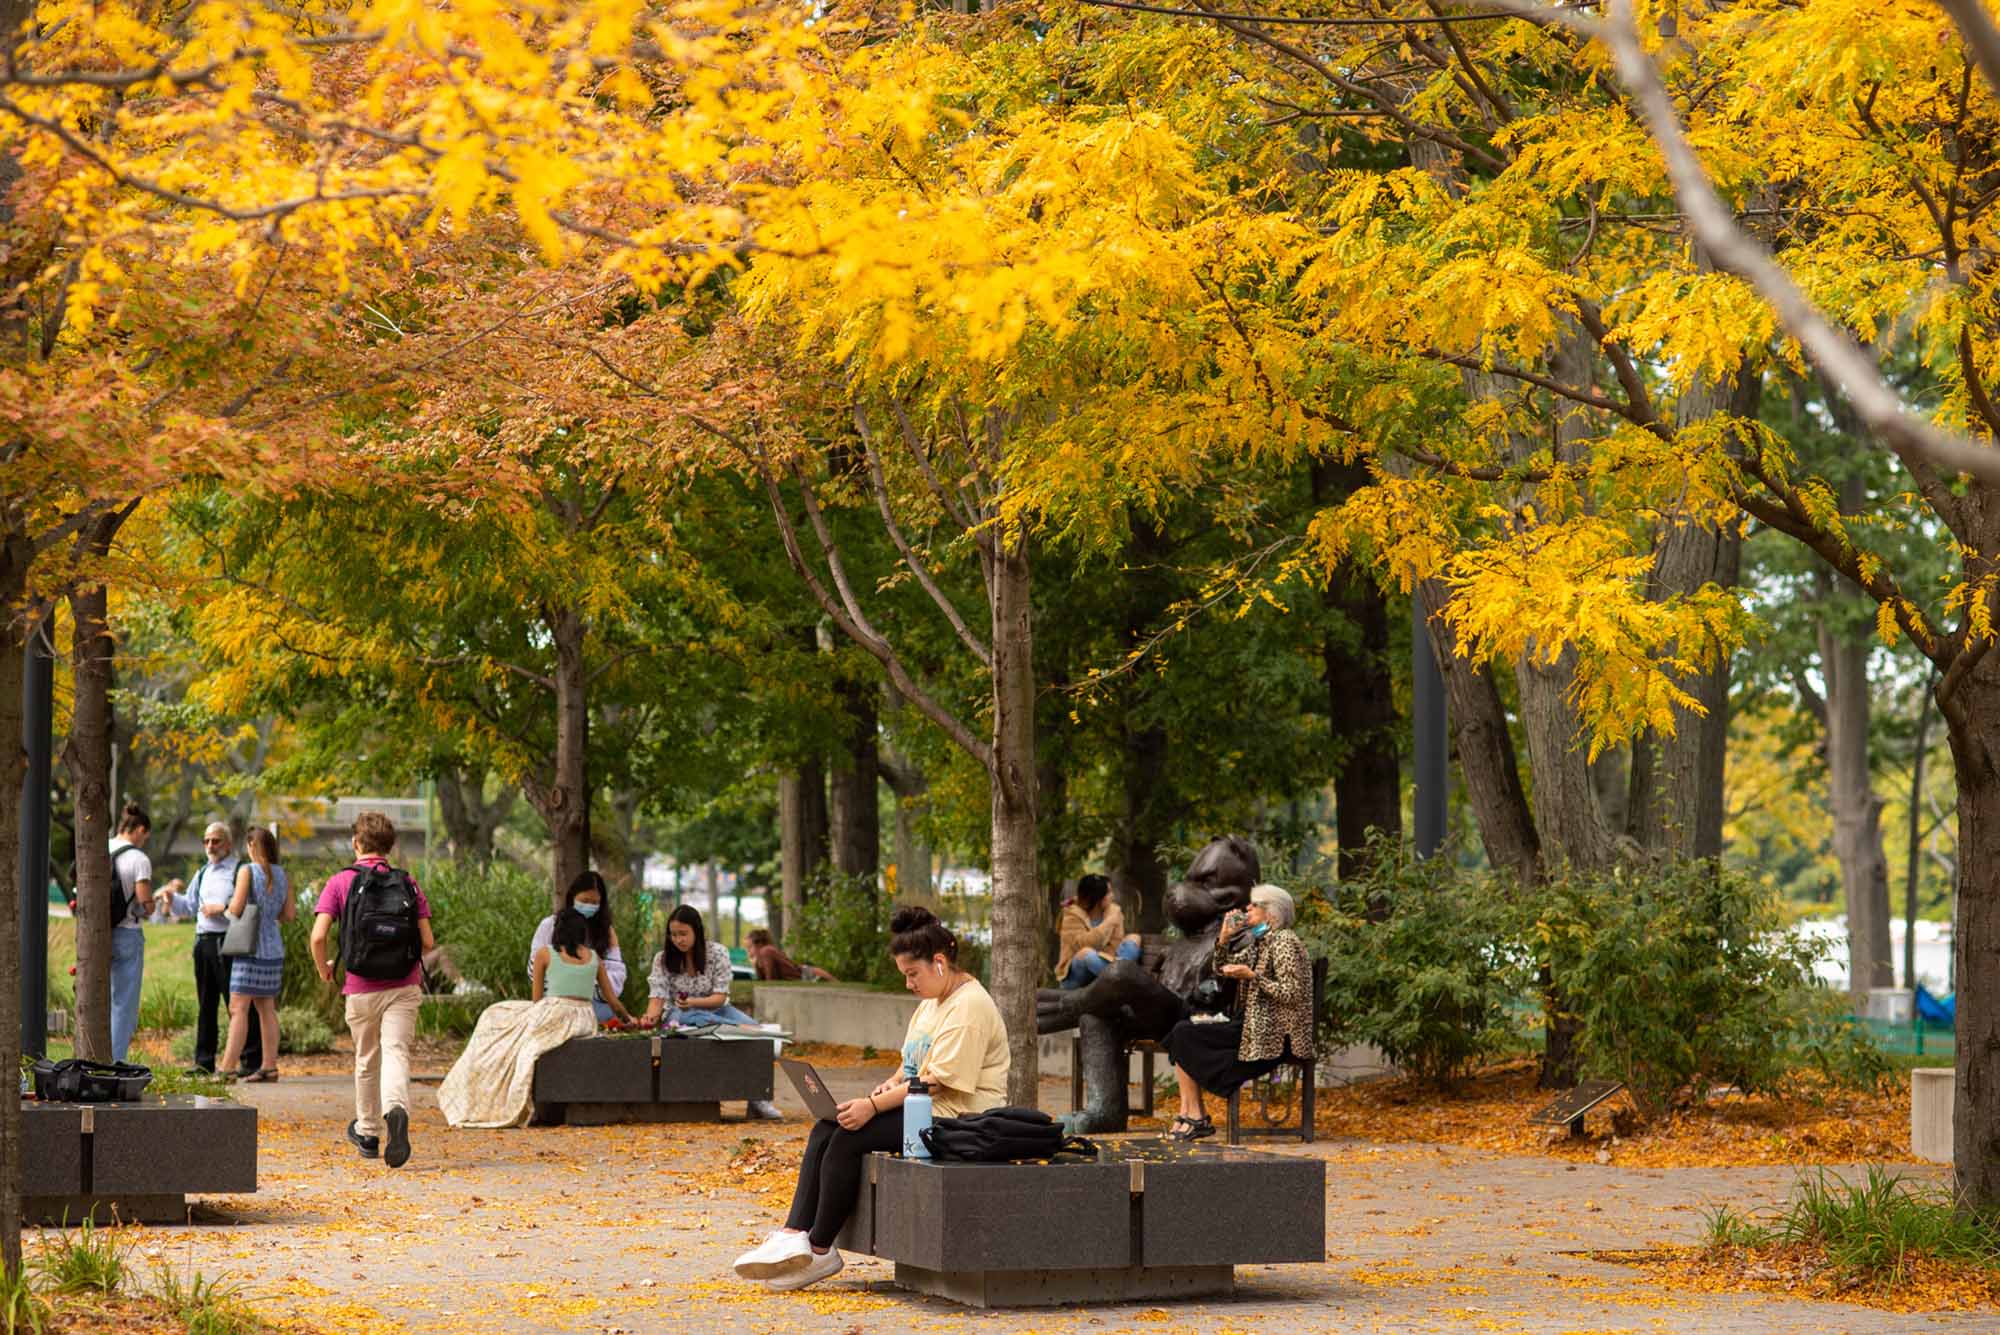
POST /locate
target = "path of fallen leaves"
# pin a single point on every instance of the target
(1803, 1272)
(628, 1230)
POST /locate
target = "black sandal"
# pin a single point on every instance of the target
(1186, 1128)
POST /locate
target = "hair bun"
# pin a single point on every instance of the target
(910, 918)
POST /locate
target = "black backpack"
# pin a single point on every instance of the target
(379, 937)
(121, 903)
(1002, 1135)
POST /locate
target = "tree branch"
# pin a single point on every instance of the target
(910, 558)
(857, 629)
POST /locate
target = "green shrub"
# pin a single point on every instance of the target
(206, 1306)
(1416, 963)
(1684, 978)
(844, 929)
(303, 1031)
(161, 1009)
(1871, 1232)
(484, 917)
(301, 988)
(450, 1016)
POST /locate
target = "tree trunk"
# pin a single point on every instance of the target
(1361, 696)
(1676, 795)
(1137, 874)
(855, 804)
(87, 755)
(470, 821)
(1485, 750)
(1973, 725)
(562, 795)
(1857, 814)
(913, 853)
(1572, 828)
(801, 835)
(1914, 864)
(1018, 920)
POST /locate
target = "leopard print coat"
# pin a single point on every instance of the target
(1277, 1003)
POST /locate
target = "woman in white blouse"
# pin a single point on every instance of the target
(689, 984)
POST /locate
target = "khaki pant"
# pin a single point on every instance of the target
(383, 1023)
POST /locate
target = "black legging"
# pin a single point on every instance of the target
(830, 1173)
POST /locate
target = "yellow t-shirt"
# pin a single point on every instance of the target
(959, 1047)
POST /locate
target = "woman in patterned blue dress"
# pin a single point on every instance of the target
(254, 979)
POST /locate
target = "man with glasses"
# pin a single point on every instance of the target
(208, 894)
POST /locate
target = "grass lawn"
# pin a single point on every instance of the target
(169, 958)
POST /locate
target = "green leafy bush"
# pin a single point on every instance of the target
(161, 1009)
(1417, 963)
(1683, 978)
(844, 929)
(484, 916)
(303, 1031)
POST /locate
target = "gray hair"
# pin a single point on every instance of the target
(217, 827)
(1276, 903)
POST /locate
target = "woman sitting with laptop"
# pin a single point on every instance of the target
(956, 1044)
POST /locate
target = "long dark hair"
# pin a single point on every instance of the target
(597, 929)
(1091, 892)
(690, 915)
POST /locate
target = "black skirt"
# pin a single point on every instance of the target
(1208, 1053)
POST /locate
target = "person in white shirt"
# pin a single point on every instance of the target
(207, 902)
(132, 876)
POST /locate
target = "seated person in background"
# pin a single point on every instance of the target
(589, 896)
(956, 1043)
(775, 966)
(493, 1081)
(1274, 1014)
(1092, 933)
(689, 984)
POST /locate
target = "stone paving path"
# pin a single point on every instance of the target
(629, 1231)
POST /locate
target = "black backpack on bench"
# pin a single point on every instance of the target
(1002, 1135)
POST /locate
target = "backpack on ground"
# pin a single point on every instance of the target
(121, 903)
(379, 937)
(1001, 1135)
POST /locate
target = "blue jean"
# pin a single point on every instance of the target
(604, 1011)
(694, 1015)
(128, 972)
(1086, 964)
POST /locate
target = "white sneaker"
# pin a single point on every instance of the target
(821, 1265)
(766, 1109)
(780, 1254)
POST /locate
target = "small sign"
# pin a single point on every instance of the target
(1570, 1106)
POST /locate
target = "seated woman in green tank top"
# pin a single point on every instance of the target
(492, 1082)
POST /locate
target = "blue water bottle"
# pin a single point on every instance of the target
(916, 1121)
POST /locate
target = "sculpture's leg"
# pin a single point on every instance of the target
(1105, 1105)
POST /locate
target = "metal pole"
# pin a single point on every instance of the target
(1428, 736)
(38, 745)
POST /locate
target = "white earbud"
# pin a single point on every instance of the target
(938, 967)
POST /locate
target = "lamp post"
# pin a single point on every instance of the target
(37, 745)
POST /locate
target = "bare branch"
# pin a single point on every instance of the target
(857, 629)
(910, 558)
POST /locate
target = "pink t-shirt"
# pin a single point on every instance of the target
(333, 898)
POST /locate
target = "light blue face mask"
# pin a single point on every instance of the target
(1259, 930)
(587, 910)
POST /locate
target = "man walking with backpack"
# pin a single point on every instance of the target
(208, 893)
(385, 931)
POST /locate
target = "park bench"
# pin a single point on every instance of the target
(1304, 1072)
(1144, 1219)
(648, 1078)
(133, 1161)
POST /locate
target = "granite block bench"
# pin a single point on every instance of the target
(139, 1160)
(1146, 1219)
(596, 1081)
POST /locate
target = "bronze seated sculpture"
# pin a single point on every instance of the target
(1144, 999)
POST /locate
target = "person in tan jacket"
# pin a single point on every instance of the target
(1092, 933)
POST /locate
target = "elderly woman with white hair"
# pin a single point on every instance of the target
(1274, 1016)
